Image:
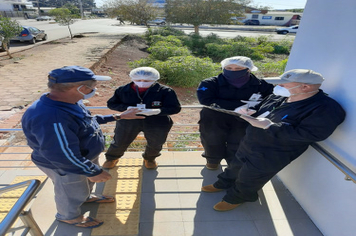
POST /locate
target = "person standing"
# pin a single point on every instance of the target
(156, 102)
(236, 86)
(66, 141)
(281, 129)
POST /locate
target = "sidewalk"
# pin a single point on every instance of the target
(24, 80)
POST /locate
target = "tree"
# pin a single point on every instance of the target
(64, 17)
(198, 12)
(9, 29)
(131, 10)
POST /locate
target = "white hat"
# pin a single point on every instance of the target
(297, 75)
(240, 61)
(144, 73)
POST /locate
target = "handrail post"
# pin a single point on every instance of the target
(28, 220)
(17, 209)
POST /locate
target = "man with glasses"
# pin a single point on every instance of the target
(67, 140)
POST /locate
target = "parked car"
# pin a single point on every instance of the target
(286, 30)
(31, 35)
(44, 18)
(2, 48)
(158, 21)
(252, 22)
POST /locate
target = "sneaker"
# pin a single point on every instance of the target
(211, 189)
(211, 166)
(225, 206)
(109, 164)
(150, 164)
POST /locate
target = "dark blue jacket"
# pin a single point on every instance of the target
(157, 96)
(64, 136)
(296, 126)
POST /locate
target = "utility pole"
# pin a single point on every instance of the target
(38, 7)
(81, 9)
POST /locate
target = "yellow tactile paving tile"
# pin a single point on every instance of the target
(16, 193)
(117, 224)
(2, 216)
(8, 199)
(131, 172)
(124, 202)
(122, 186)
(122, 216)
(6, 204)
(130, 162)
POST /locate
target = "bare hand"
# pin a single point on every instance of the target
(131, 114)
(102, 177)
(262, 123)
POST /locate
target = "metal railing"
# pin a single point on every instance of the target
(30, 225)
(181, 144)
(349, 174)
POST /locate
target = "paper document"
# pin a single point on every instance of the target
(149, 112)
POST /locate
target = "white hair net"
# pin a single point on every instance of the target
(144, 73)
(240, 61)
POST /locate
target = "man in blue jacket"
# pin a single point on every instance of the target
(67, 140)
(281, 128)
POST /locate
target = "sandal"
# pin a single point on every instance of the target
(100, 199)
(84, 223)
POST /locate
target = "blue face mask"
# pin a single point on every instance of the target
(89, 95)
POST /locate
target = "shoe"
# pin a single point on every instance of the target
(109, 164)
(151, 164)
(211, 189)
(225, 206)
(211, 166)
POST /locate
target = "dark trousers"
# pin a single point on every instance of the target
(220, 136)
(243, 179)
(127, 130)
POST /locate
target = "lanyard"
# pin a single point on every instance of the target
(144, 95)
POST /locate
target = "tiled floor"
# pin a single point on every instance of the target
(172, 204)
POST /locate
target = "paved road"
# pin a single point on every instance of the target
(111, 26)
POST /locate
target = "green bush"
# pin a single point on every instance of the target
(142, 62)
(272, 68)
(164, 52)
(185, 71)
(219, 52)
(282, 47)
(158, 40)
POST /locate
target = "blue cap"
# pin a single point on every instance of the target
(72, 74)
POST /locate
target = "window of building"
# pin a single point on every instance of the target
(255, 16)
(279, 18)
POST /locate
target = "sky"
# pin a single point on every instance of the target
(274, 4)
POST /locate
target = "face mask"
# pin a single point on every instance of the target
(231, 75)
(281, 91)
(284, 92)
(144, 84)
(89, 95)
(237, 78)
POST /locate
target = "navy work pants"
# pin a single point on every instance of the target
(220, 136)
(127, 130)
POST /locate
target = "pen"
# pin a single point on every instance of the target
(284, 117)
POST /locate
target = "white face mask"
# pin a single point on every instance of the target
(143, 84)
(284, 92)
(89, 95)
(281, 91)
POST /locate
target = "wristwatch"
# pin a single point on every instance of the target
(117, 116)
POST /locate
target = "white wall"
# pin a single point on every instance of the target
(326, 43)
